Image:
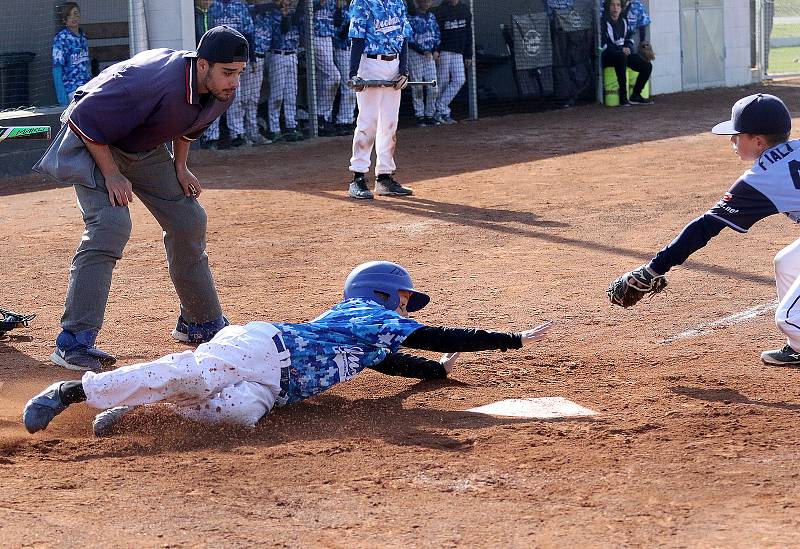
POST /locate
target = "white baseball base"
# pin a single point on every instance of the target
(542, 408)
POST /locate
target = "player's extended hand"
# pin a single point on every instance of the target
(120, 190)
(537, 333)
(189, 183)
(448, 360)
(626, 51)
(356, 84)
(401, 82)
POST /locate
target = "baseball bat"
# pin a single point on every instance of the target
(24, 132)
(390, 83)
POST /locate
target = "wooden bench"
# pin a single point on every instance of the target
(105, 55)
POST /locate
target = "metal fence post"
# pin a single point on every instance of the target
(473, 70)
(598, 37)
(311, 73)
(137, 27)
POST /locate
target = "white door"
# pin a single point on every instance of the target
(702, 44)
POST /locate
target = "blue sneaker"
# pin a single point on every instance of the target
(77, 352)
(197, 332)
(41, 409)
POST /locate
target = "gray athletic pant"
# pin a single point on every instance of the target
(108, 228)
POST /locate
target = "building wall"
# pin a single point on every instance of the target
(170, 24)
(665, 33)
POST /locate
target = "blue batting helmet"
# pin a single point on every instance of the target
(379, 281)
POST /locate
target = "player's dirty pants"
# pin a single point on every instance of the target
(378, 109)
(327, 76)
(450, 77)
(282, 90)
(621, 62)
(787, 280)
(107, 229)
(347, 98)
(422, 68)
(235, 378)
(252, 77)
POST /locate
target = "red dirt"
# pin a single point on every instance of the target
(514, 220)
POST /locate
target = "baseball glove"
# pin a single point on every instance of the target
(627, 290)
(10, 320)
(646, 51)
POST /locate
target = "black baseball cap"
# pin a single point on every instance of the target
(222, 44)
(760, 114)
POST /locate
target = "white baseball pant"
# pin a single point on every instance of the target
(378, 110)
(450, 77)
(422, 68)
(234, 378)
(234, 117)
(347, 97)
(252, 78)
(327, 75)
(787, 280)
(282, 90)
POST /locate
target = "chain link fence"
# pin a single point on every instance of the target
(777, 36)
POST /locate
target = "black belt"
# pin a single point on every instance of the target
(284, 52)
(391, 57)
(261, 55)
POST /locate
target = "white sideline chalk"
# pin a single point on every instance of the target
(730, 320)
(542, 408)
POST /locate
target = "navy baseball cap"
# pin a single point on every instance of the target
(760, 114)
(222, 44)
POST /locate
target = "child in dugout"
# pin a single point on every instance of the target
(244, 371)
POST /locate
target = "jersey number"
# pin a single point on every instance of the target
(794, 170)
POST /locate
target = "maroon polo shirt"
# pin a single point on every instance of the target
(144, 102)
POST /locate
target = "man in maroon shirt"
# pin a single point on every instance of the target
(112, 147)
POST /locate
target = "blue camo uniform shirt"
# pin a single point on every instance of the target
(323, 17)
(637, 15)
(71, 52)
(233, 13)
(354, 334)
(262, 25)
(140, 104)
(285, 42)
(340, 38)
(382, 23)
(424, 32)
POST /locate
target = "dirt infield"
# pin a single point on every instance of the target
(514, 220)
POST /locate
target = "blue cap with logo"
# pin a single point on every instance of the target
(759, 114)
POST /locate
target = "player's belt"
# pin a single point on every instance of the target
(261, 55)
(284, 52)
(391, 57)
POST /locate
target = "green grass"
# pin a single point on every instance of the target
(784, 60)
(787, 8)
(785, 31)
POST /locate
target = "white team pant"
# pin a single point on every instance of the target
(787, 280)
(347, 99)
(378, 109)
(422, 68)
(251, 93)
(450, 77)
(327, 75)
(234, 117)
(282, 90)
(235, 378)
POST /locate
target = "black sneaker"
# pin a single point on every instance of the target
(422, 122)
(781, 357)
(344, 129)
(432, 121)
(358, 188)
(639, 100)
(237, 142)
(387, 186)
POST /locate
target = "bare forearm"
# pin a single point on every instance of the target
(180, 150)
(104, 159)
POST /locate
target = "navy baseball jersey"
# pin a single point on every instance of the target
(771, 186)
(71, 52)
(354, 334)
(383, 24)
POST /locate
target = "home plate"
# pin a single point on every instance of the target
(543, 408)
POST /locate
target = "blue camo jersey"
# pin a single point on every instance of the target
(289, 41)
(354, 334)
(382, 23)
(323, 17)
(340, 39)
(233, 13)
(425, 32)
(262, 23)
(71, 52)
(637, 15)
(559, 4)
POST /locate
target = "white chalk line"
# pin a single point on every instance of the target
(736, 318)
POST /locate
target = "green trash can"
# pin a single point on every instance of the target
(611, 87)
(15, 79)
